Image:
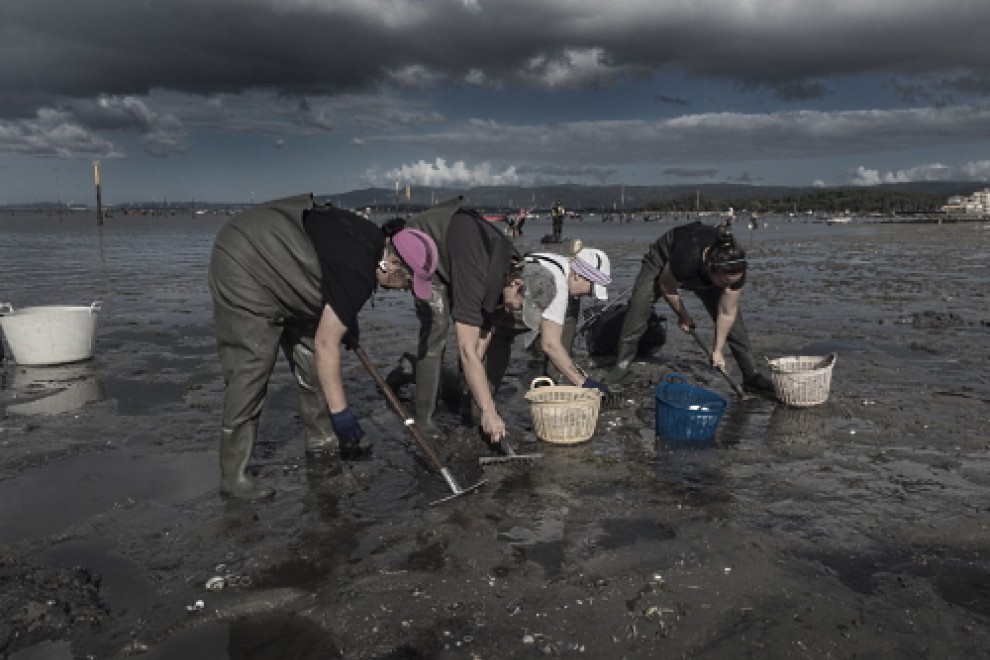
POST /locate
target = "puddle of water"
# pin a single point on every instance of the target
(55, 497)
(965, 586)
(207, 642)
(123, 585)
(48, 650)
(266, 637)
(622, 533)
(955, 579)
(136, 397)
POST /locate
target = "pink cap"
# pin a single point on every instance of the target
(419, 252)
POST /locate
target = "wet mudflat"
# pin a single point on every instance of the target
(859, 528)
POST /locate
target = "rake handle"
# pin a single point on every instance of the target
(400, 409)
(721, 370)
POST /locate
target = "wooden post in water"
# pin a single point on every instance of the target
(99, 200)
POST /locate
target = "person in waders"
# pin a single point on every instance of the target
(707, 261)
(473, 280)
(294, 274)
(557, 221)
(566, 281)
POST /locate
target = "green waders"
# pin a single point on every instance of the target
(313, 411)
(506, 329)
(644, 296)
(434, 324)
(433, 315)
(265, 281)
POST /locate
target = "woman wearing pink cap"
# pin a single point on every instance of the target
(474, 279)
(296, 274)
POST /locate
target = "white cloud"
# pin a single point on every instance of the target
(975, 171)
(978, 171)
(318, 120)
(53, 133)
(865, 177)
(439, 173)
(573, 68)
(698, 139)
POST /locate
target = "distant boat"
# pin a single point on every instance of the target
(839, 220)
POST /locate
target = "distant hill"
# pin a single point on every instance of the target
(629, 198)
(610, 198)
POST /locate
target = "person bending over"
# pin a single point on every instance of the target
(294, 274)
(473, 280)
(563, 281)
(707, 261)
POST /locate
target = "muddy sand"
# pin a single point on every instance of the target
(855, 529)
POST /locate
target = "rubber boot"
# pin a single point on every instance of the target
(236, 447)
(428, 374)
(313, 412)
(753, 381)
(641, 302)
(320, 436)
(624, 360)
(404, 374)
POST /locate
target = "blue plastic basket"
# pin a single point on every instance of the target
(685, 411)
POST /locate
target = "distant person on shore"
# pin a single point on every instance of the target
(557, 221)
(521, 221)
(563, 281)
(707, 261)
(477, 275)
(294, 274)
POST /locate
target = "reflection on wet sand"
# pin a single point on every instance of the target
(798, 430)
(50, 390)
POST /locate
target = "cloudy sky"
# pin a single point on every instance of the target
(231, 100)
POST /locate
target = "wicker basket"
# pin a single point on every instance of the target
(563, 414)
(802, 380)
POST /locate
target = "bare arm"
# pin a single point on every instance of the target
(329, 334)
(471, 346)
(668, 289)
(728, 306)
(551, 341)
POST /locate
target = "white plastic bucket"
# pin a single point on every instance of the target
(50, 334)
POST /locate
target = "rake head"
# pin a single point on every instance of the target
(509, 455)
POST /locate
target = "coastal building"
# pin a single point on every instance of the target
(976, 204)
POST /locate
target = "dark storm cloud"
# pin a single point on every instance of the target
(125, 47)
(103, 77)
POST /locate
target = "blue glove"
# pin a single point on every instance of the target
(601, 387)
(345, 423)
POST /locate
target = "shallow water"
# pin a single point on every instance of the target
(834, 507)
